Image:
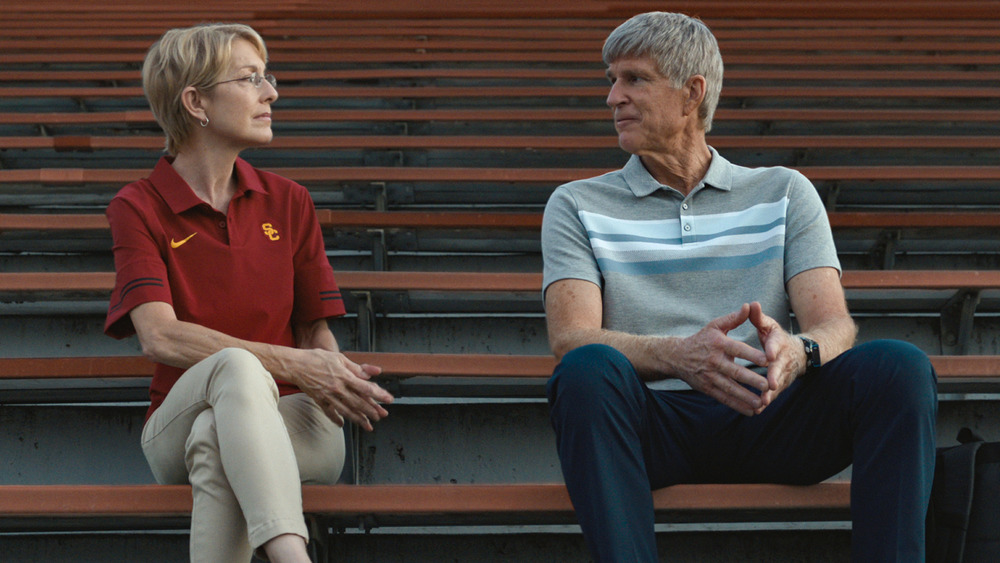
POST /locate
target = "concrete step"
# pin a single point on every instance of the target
(423, 441)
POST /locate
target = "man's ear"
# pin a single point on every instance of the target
(696, 86)
(193, 101)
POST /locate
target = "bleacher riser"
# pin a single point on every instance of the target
(440, 441)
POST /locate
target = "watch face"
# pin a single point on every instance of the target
(812, 352)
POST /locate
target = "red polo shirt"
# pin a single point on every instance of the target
(249, 273)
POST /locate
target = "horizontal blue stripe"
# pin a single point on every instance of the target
(633, 238)
(684, 265)
(736, 231)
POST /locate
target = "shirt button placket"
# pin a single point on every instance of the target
(686, 222)
(224, 231)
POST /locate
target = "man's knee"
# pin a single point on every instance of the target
(590, 374)
(901, 371)
(583, 368)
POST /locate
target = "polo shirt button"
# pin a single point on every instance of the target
(687, 227)
(684, 206)
(222, 224)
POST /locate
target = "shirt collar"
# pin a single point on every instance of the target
(642, 184)
(180, 197)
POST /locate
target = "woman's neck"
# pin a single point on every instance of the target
(209, 174)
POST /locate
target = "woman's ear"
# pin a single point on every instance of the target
(193, 101)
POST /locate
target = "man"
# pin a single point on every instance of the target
(668, 289)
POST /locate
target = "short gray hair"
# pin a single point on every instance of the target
(681, 47)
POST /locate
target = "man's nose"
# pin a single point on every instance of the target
(615, 96)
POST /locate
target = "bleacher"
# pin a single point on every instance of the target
(430, 135)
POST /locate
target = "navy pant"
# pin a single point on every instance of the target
(874, 406)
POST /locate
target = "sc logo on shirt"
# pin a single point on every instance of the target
(270, 232)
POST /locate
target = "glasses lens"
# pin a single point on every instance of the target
(271, 80)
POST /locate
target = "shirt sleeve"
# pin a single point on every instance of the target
(566, 249)
(316, 293)
(140, 273)
(808, 238)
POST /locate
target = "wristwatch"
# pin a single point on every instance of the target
(812, 354)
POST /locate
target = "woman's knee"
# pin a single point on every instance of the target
(237, 360)
(241, 370)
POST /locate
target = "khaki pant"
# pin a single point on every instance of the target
(223, 429)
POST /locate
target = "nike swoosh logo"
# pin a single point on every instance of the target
(178, 243)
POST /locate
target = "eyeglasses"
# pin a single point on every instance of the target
(256, 79)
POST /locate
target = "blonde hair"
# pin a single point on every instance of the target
(195, 56)
(681, 47)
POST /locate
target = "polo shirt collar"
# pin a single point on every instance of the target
(642, 183)
(180, 197)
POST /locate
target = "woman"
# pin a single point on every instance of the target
(222, 274)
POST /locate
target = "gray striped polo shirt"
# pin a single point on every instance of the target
(668, 264)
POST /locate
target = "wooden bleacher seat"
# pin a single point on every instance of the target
(920, 115)
(395, 504)
(441, 46)
(116, 76)
(430, 142)
(62, 507)
(353, 218)
(725, 26)
(404, 374)
(533, 92)
(317, 174)
(419, 55)
(570, 35)
(26, 283)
